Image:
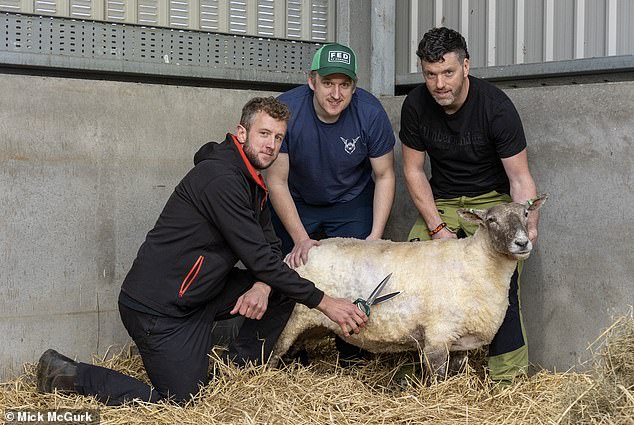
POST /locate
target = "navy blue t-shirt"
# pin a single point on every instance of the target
(330, 163)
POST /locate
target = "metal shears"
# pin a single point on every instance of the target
(374, 299)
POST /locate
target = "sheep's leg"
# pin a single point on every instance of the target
(436, 359)
(301, 320)
(284, 342)
(457, 361)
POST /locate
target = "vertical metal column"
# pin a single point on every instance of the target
(306, 11)
(332, 19)
(464, 19)
(580, 28)
(26, 6)
(163, 12)
(491, 39)
(438, 17)
(611, 24)
(549, 30)
(280, 17)
(194, 14)
(520, 41)
(383, 54)
(413, 35)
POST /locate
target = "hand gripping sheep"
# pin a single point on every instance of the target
(454, 291)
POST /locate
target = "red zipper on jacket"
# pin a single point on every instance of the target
(191, 276)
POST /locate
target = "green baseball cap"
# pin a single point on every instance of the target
(335, 59)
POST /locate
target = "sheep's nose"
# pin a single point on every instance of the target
(522, 243)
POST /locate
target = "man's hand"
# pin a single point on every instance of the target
(532, 235)
(344, 313)
(299, 254)
(253, 303)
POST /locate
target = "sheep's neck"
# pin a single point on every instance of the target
(481, 243)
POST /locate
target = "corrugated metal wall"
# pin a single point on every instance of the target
(309, 20)
(507, 32)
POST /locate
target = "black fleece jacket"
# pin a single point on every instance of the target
(215, 217)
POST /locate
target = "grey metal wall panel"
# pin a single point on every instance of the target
(209, 15)
(402, 37)
(294, 9)
(534, 32)
(81, 9)
(451, 14)
(477, 42)
(148, 12)
(71, 44)
(505, 32)
(238, 17)
(10, 5)
(425, 17)
(319, 20)
(45, 7)
(179, 13)
(266, 18)
(499, 33)
(115, 10)
(595, 29)
(295, 19)
(563, 46)
(625, 25)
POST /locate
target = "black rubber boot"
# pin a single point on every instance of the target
(56, 372)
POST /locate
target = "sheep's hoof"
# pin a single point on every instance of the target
(409, 374)
(300, 357)
(458, 362)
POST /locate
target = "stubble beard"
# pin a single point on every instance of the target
(445, 101)
(253, 158)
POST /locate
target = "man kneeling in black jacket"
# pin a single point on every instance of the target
(184, 277)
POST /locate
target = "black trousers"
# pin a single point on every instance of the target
(509, 337)
(175, 350)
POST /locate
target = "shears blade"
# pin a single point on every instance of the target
(378, 289)
(373, 299)
(386, 297)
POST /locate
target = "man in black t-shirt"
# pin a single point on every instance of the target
(477, 149)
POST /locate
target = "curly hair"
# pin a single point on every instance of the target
(437, 42)
(269, 105)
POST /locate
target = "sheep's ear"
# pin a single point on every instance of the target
(536, 203)
(469, 214)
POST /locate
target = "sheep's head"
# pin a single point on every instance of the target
(506, 225)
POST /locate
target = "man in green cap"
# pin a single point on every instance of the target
(334, 176)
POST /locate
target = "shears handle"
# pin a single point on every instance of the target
(363, 306)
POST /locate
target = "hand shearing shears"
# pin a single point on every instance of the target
(374, 299)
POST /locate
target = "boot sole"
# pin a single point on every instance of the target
(43, 368)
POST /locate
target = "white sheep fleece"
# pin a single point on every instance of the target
(454, 292)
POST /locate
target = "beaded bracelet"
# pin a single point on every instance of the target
(437, 229)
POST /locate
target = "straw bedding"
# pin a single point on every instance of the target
(370, 392)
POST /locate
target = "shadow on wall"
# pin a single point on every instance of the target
(404, 212)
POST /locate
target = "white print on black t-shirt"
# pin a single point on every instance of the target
(350, 144)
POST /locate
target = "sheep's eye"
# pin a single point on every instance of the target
(526, 214)
(492, 220)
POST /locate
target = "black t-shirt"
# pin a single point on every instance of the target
(465, 148)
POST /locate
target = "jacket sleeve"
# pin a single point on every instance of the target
(227, 203)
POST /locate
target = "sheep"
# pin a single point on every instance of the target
(454, 292)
